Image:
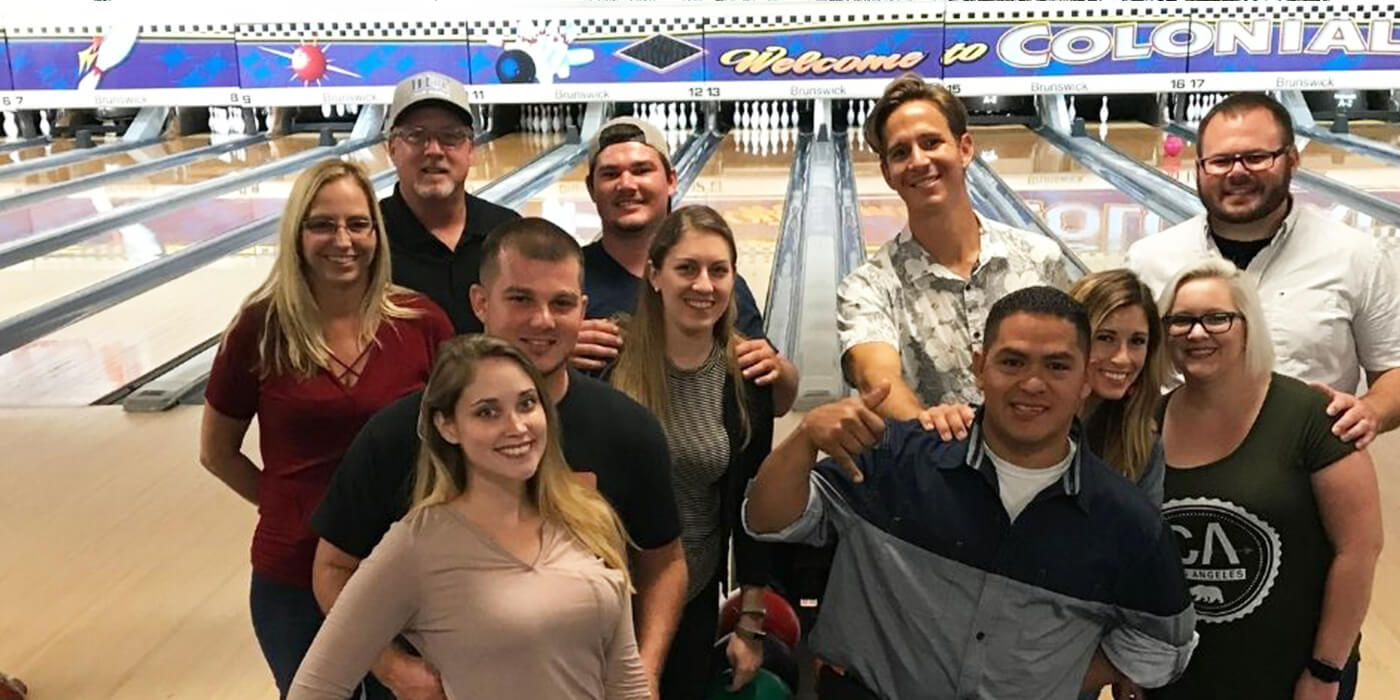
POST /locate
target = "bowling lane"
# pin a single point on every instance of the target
(1143, 142)
(86, 262)
(100, 354)
(566, 203)
(59, 211)
(882, 214)
(1361, 172)
(746, 181)
(1092, 217)
(1387, 133)
(51, 148)
(498, 157)
(92, 166)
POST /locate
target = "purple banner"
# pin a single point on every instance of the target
(1068, 50)
(829, 53)
(1340, 44)
(345, 64)
(53, 64)
(548, 54)
(5, 81)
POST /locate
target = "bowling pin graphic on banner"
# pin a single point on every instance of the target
(539, 52)
(107, 50)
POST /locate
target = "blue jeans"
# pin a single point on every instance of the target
(285, 621)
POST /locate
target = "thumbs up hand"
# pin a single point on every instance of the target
(848, 427)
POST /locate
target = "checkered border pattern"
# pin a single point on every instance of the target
(353, 31)
(1089, 14)
(764, 22)
(88, 31)
(1306, 11)
(593, 27)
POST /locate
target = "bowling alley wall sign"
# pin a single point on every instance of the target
(121, 64)
(588, 55)
(5, 82)
(338, 62)
(85, 53)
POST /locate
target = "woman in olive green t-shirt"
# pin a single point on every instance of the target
(1277, 519)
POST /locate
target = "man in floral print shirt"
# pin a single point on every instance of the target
(912, 315)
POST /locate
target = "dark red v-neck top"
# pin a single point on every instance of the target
(305, 425)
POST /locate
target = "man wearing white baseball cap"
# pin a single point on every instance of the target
(435, 227)
(631, 182)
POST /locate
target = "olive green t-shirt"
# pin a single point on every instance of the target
(1254, 550)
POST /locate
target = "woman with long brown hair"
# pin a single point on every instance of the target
(323, 344)
(679, 361)
(508, 574)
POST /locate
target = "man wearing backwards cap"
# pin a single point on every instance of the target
(631, 181)
(435, 227)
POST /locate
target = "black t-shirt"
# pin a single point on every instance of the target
(422, 263)
(612, 290)
(1255, 551)
(604, 432)
(1240, 252)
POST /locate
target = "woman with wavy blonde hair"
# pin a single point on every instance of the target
(319, 347)
(678, 359)
(508, 574)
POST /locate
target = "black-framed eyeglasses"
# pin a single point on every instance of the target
(1214, 323)
(325, 226)
(1253, 161)
(418, 136)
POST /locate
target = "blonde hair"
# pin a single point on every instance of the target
(640, 371)
(443, 473)
(1258, 347)
(292, 339)
(1127, 427)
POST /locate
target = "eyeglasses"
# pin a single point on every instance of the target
(326, 226)
(1214, 323)
(1253, 161)
(418, 136)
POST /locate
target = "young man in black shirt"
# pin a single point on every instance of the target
(631, 181)
(435, 227)
(531, 295)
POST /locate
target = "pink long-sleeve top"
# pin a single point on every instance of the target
(491, 624)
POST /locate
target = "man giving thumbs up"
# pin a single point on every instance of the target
(1008, 564)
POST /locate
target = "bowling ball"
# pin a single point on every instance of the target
(777, 658)
(515, 66)
(764, 686)
(12, 688)
(781, 620)
(1172, 146)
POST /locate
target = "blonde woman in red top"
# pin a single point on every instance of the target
(323, 344)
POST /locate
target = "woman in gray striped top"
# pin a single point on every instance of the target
(678, 360)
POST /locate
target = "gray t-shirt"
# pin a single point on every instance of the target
(699, 457)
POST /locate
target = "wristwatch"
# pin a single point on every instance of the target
(1323, 671)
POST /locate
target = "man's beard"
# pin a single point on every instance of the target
(1272, 198)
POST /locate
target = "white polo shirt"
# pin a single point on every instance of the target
(1330, 293)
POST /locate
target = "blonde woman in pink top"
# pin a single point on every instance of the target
(508, 575)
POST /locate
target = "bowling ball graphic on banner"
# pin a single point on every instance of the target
(539, 52)
(1229, 555)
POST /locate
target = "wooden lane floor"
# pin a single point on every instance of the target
(1095, 219)
(63, 173)
(127, 564)
(85, 361)
(48, 277)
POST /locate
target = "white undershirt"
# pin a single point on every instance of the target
(1019, 485)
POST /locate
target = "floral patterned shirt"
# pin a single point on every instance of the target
(932, 315)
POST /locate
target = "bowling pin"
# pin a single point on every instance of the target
(850, 113)
(1072, 115)
(114, 44)
(11, 125)
(670, 116)
(326, 111)
(1103, 110)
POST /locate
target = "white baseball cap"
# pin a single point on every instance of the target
(429, 87)
(650, 136)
